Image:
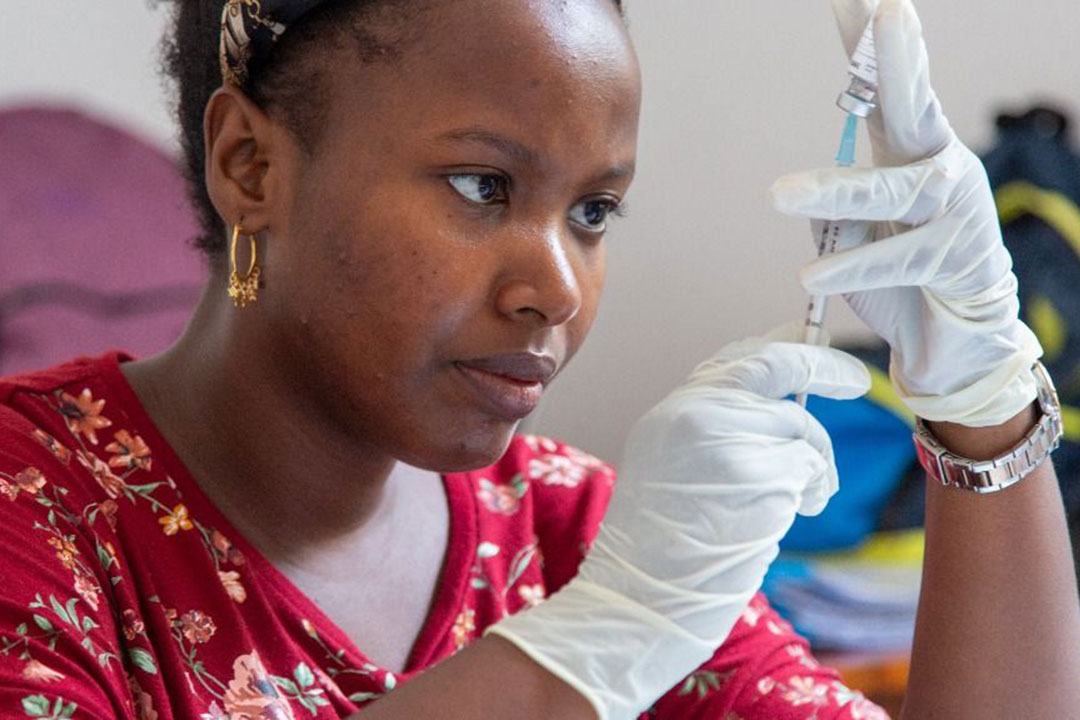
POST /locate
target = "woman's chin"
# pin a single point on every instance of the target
(468, 451)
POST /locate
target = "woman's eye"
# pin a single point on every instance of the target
(593, 214)
(480, 189)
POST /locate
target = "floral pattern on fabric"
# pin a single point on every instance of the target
(503, 498)
(126, 591)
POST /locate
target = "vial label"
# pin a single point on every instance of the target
(864, 61)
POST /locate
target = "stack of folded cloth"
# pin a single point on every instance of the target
(860, 600)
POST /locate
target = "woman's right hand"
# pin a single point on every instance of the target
(710, 481)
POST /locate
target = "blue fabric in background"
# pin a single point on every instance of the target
(873, 453)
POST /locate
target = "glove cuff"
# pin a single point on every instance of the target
(618, 654)
(997, 396)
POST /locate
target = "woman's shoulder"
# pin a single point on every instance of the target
(52, 420)
(94, 369)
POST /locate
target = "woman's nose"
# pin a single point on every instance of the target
(542, 283)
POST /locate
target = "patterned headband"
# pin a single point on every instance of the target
(249, 29)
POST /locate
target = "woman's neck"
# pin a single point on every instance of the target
(287, 477)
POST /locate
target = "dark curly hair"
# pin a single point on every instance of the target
(287, 83)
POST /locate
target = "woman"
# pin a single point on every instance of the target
(316, 493)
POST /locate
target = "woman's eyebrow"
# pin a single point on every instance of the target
(522, 154)
(512, 148)
(618, 172)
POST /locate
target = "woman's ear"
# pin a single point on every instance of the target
(247, 160)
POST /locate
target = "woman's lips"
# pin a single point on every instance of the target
(510, 386)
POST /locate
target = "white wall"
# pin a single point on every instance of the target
(99, 54)
(737, 93)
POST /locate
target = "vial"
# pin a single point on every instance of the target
(859, 98)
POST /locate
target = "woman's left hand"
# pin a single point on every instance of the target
(922, 261)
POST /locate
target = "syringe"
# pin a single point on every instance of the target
(858, 102)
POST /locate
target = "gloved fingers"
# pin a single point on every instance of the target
(779, 369)
(783, 449)
(851, 19)
(909, 124)
(914, 258)
(824, 481)
(910, 194)
(743, 446)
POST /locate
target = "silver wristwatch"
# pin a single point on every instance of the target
(987, 476)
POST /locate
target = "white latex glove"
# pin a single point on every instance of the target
(710, 481)
(927, 270)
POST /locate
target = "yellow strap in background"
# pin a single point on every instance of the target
(1020, 198)
(1070, 417)
(888, 546)
(1049, 326)
(882, 393)
(1055, 209)
(893, 546)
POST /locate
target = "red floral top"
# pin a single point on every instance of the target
(126, 594)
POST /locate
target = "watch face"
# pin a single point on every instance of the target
(1048, 397)
(989, 476)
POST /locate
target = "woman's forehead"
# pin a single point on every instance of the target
(525, 32)
(493, 57)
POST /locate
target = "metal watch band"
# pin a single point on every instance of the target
(987, 476)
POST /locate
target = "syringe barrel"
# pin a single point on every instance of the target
(812, 331)
(815, 319)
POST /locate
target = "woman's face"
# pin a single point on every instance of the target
(442, 257)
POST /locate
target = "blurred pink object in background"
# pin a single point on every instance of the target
(95, 230)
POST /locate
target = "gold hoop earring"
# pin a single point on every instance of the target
(243, 290)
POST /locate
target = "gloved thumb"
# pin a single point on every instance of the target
(775, 368)
(911, 125)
